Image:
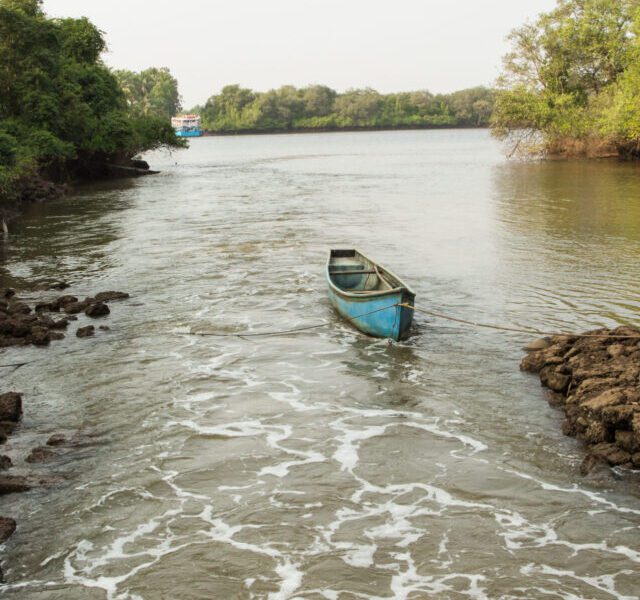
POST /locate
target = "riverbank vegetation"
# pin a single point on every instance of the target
(571, 82)
(319, 107)
(63, 114)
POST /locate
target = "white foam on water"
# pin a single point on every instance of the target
(575, 489)
(604, 583)
(522, 534)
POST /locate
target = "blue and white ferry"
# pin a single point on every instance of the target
(187, 125)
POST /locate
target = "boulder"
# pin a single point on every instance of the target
(7, 528)
(7, 427)
(109, 296)
(539, 344)
(10, 484)
(73, 308)
(99, 309)
(5, 462)
(10, 407)
(7, 293)
(87, 331)
(611, 453)
(59, 285)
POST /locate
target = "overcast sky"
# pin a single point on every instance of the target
(401, 45)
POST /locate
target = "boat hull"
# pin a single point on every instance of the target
(378, 314)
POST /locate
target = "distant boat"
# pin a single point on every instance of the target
(187, 125)
(368, 295)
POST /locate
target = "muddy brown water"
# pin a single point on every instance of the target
(327, 464)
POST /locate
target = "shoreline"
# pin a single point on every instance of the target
(354, 129)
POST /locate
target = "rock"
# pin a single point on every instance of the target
(7, 427)
(609, 398)
(7, 293)
(10, 407)
(7, 528)
(60, 323)
(14, 327)
(59, 285)
(109, 296)
(551, 378)
(5, 462)
(99, 309)
(539, 344)
(44, 306)
(56, 335)
(627, 441)
(3, 438)
(590, 462)
(618, 417)
(104, 328)
(616, 350)
(61, 302)
(611, 453)
(87, 331)
(56, 439)
(41, 454)
(10, 484)
(40, 336)
(19, 308)
(73, 308)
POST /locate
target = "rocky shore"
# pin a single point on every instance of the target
(595, 378)
(39, 325)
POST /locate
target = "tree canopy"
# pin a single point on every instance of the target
(152, 92)
(61, 108)
(319, 107)
(571, 80)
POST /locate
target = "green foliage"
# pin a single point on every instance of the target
(61, 109)
(320, 107)
(571, 78)
(152, 92)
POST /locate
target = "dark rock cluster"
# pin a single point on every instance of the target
(21, 325)
(595, 378)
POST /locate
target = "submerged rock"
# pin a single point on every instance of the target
(99, 309)
(7, 529)
(41, 454)
(56, 439)
(109, 296)
(5, 462)
(87, 331)
(10, 407)
(11, 484)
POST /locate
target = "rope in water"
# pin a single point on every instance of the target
(515, 329)
(288, 331)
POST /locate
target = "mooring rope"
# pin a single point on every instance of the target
(288, 331)
(516, 329)
(296, 330)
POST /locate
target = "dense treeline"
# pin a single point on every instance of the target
(152, 92)
(571, 82)
(62, 112)
(320, 107)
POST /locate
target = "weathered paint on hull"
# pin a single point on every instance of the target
(382, 315)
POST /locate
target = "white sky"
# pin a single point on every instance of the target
(401, 45)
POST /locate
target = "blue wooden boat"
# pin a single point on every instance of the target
(368, 295)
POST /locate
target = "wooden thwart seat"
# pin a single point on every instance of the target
(354, 272)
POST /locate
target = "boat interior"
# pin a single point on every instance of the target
(354, 273)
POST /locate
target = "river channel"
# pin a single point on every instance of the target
(324, 464)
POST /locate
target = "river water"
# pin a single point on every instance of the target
(325, 464)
